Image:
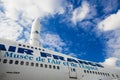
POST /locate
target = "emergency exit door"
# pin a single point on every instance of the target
(72, 73)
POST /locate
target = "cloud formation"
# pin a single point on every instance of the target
(31, 9)
(53, 42)
(112, 61)
(112, 22)
(80, 13)
(9, 29)
(113, 44)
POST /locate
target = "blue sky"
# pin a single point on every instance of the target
(86, 29)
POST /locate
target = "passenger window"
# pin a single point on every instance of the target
(22, 62)
(105, 74)
(11, 61)
(5, 61)
(31, 47)
(90, 72)
(32, 64)
(45, 65)
(87, 71)
(117, 76)
(50, 66)
(41, 65)
(27, 63)
(84, 71)
(98, 73)
(95, 72)
(16, 62)
(58, 67)
(54, 67)
(113, 75)
(74, 70)
(37, 64)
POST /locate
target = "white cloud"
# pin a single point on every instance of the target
(80, 13)
(113, 44)
(73, 54)
(108, 6)
(52, 41)
(112, 61)
(112, 22)
(8, 28)
(31, 8)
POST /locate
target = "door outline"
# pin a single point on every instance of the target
(72, 73)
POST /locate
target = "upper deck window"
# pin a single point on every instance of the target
(39, 48)
(24, 45)
(36, 48)
(43, 50)
(91, 63)
(85, 62)
(31, 47)
(19, 44)
(28, 46)
(80, 61)
(99, 65)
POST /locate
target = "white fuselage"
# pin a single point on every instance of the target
(25, 62)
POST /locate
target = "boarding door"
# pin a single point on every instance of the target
(72, 73)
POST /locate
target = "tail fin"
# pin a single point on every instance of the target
(35, 33)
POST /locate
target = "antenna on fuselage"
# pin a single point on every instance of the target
(35, 33)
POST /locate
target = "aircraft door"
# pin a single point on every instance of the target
(72, 73)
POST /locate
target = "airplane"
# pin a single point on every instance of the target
(30, 61)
